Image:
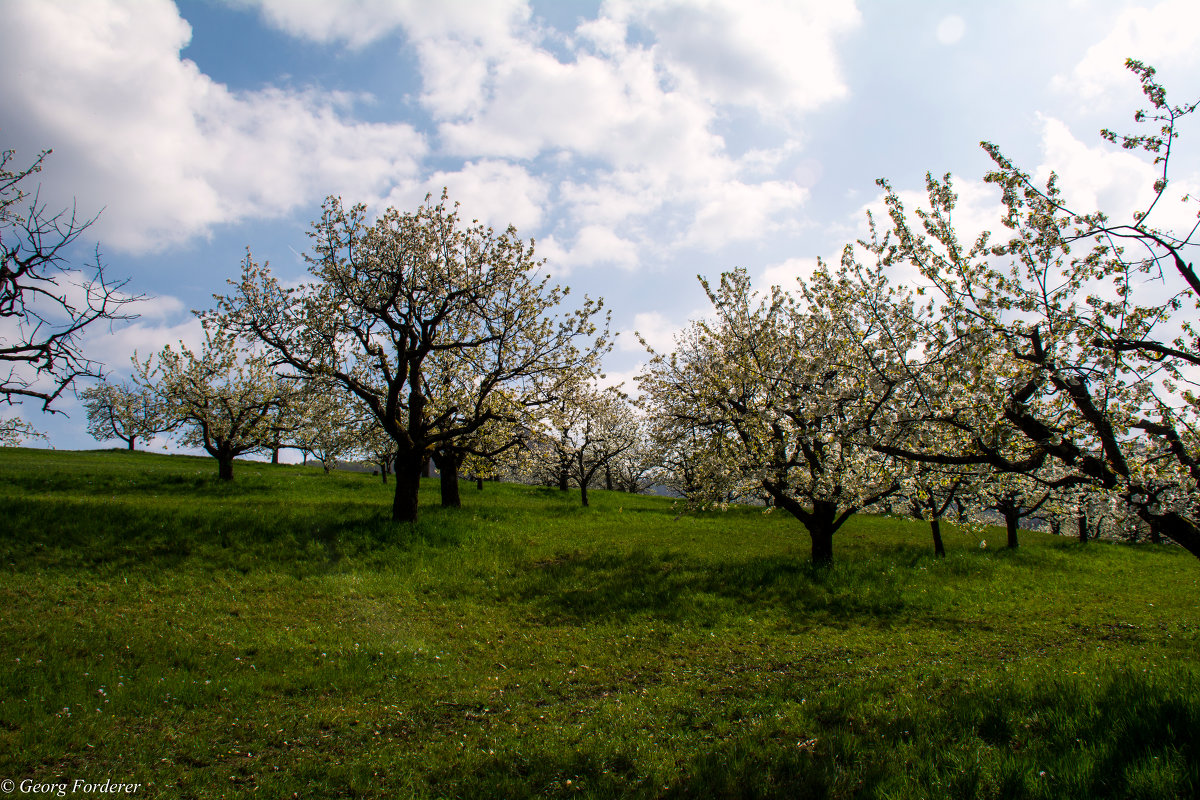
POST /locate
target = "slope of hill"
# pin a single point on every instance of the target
(280, 636)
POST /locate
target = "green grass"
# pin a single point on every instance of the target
(280, 637)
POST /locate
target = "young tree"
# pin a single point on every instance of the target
(124, 411)
(1093, 370)
(931, 492)
(684, 460)
(376, 444)
(224, 397)
(386, 297)
(456, 400)
(637, 468)
(45, 301)
(1014, 496)
(583, 432)
(325, 422)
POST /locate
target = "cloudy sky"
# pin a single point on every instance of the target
(639, 143)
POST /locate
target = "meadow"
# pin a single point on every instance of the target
(280, 637)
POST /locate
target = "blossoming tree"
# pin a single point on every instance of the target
(790, 389)
(387, 297)
(1095, 369)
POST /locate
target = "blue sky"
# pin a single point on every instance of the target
(640, 143)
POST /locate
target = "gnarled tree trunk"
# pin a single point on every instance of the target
(408, 485)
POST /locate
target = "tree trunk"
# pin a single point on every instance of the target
(383, 470)
(1081, 521)
(275, 455)
(822, 546)
(132, 439)
(447, 465)
(821, 528)
(408, 485)
(821, 523)
(935, 525)
(225, 467)
(479, 483)
(583, 492)
(608, 481)
(1010, 523)
(563, 481)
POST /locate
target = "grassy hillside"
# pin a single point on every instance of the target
(280, 637)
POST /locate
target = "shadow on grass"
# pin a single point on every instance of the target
(1128, 735)
(304, 538)
(584, 587)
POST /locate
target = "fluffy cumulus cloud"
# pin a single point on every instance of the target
(772, 55)
(621, 114)
(593, 245)
(1104, 177)
(360, 22)
(164, 149)
(655, 329)
(950, 29)
(144, 338)
(579, 135)
(1166, 34)
(786, 273)
(495, 192)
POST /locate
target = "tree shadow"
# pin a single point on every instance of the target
(53, 533)
(585, 587)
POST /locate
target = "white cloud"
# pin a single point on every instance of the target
(1115, 181)
(950, 29)
(1164, 35)
(608, 109)
(495, 192)
(594, 245)
(623, 112)
(167, 151)
(360, 22)
(786, 273)
(773, 55)
(163, 321)
(658, 331)
(160, 308)
(733, 211)
(638, 120)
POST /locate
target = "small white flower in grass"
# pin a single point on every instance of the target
(983, 545)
